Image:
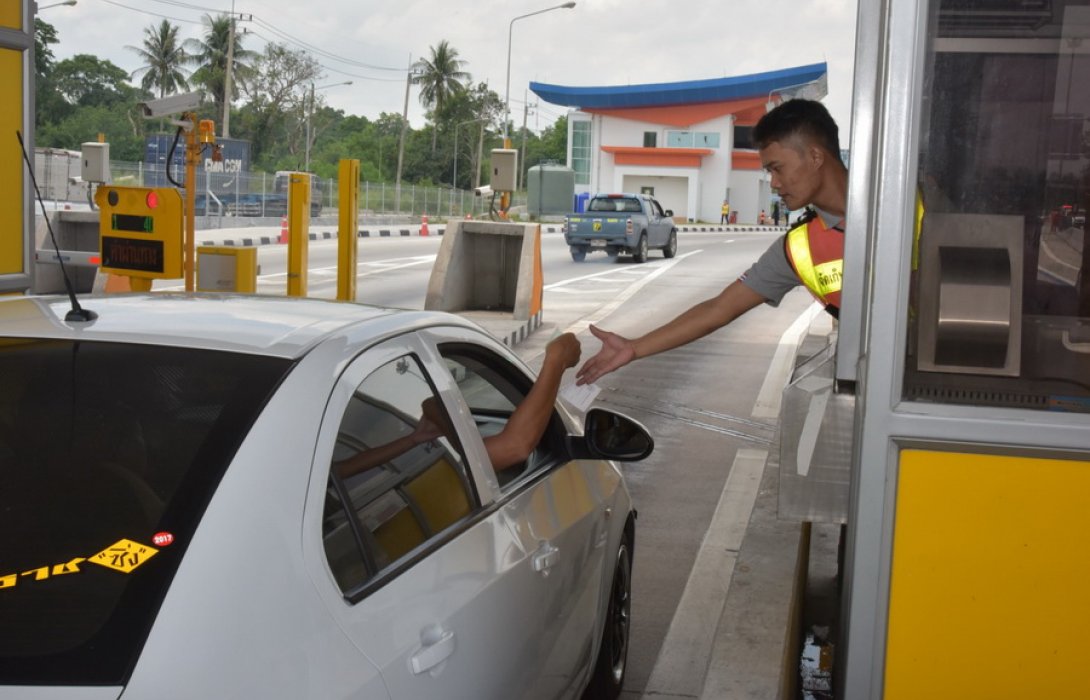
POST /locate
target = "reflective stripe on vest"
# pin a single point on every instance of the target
(823, 278)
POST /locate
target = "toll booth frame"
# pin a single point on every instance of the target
(16, 78)
(906, 449)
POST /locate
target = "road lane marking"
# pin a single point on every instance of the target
(330, 270)
(683, 660)
(783, 361)
(665, 266)
(605, 310)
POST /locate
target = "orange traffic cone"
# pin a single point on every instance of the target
(423, 224)
(283, 229)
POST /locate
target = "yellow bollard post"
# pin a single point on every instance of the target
(348, 177)
(298, 233)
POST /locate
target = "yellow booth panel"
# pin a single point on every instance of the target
(11, 14)
(990, 581)
(11, 159)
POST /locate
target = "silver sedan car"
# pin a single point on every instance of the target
(173, 523)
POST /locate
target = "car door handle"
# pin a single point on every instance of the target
(434, 652)
(545, 558)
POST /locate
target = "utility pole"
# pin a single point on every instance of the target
(226, 133)
(401, 140)
(480, 152)
(519, 179)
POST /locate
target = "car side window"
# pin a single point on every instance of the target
(398, 478)
(657, 208)
(492, 388)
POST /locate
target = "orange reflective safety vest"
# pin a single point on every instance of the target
(817, 255)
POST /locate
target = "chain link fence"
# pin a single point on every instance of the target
(257, 195)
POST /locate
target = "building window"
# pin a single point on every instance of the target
(679, 139)
(580, 151)
(692, 139)
(706, 139)
(743, 137)
(650, 139)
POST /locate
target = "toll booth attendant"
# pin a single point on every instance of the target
(799, 146)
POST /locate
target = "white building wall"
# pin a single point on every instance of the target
(750, 192)
(707, 185)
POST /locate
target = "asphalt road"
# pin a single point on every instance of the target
(697, 401)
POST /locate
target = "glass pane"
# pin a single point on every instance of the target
(398, 477)
(1001, 303)
(103, 445)
(679, 139)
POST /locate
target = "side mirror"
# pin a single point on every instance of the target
(610, 435)
(669, 212)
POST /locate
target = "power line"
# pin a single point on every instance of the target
(320, 51)
(153, 14)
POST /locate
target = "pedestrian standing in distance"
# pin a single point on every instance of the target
(799, 146)
(776, 213)
(724, 213)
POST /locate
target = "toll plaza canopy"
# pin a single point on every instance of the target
(781, 82)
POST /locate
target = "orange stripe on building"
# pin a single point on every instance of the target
(665, 157)
(745, 160)
(687, 115)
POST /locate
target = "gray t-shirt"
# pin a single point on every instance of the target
(772, 275)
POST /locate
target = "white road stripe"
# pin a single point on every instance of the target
(624, 296)
(768, 400)
(664, 266)
(683, 660)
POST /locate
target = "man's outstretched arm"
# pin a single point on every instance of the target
(528, 422)
(698, 321)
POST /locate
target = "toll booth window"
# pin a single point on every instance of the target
(1000, 303)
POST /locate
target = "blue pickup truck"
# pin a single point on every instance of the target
(621, 223)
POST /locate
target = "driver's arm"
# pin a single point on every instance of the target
(528, 422)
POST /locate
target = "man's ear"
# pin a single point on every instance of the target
(816, 155)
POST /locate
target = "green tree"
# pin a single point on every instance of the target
(49, 105)
(164, 58)
(277, 89)
(86, 80)
(209, 55)
(439, 77)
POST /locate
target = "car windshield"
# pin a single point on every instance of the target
(109, 454)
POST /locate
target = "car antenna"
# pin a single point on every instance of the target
(77, 314)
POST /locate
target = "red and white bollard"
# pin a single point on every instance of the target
(423, 224)
(284, 229)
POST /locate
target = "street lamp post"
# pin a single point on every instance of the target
(507, 96)
(310, 115)
(69, 3)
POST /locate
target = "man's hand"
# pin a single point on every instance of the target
(565, 348)
(617, 351)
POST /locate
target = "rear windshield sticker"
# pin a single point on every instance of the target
(124, 555)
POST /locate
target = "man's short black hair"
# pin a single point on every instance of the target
(807, 118)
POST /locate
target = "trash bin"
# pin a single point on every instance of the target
(734, 217)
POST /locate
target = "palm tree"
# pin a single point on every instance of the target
(439, 77)
(163, 57)
(210, 56)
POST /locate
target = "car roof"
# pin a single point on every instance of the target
(262, 325)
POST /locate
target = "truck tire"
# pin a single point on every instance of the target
(640, 253)
(578, 253)
(671, 246)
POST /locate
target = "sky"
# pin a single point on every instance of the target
(598, 42)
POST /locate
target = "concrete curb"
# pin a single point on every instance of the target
(391, 232)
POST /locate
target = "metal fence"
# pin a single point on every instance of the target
(254, 193)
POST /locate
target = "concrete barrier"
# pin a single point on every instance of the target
(490, 267)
